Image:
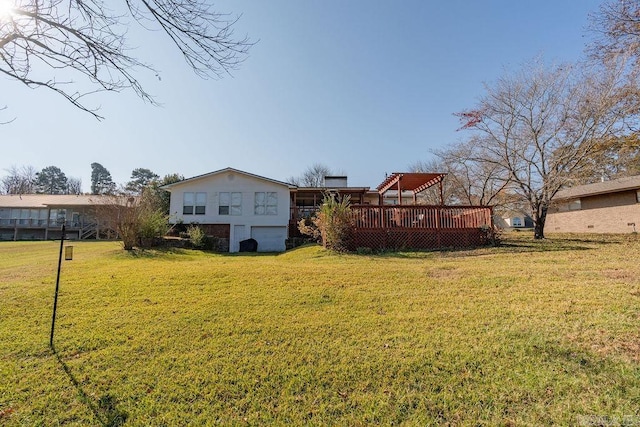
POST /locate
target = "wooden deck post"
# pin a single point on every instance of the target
(438, 232)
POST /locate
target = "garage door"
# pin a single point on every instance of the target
(270, 239)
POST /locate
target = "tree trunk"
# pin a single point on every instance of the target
(539, 220)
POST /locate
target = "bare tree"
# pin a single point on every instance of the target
(20, 180)
(137, 220)
(87, 40)
(4, 122)
(74, 185)
(293, 180)
(314, 175)
(472, 182)
(617, 29)
(540, 125)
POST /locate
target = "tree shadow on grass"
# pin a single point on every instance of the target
(105, 409)
(560, 243)
(154, 252)
(503, 247)
(160, 252)
(542, 247)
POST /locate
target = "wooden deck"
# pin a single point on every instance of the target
(415, 226)
(47, 229)
(421, 227)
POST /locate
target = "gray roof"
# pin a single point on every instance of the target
(613, 186)
(48, 200)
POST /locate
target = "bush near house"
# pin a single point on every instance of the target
(197, 236)
(332, 225)
(528, 333)
(138, 220)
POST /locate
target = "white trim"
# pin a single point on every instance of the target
(168, 187)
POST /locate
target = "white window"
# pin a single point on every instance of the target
(194, 203)
(230, 203)
(516, 222)
(638, 196)
(201, 203)
(188, 200)
(266, 203)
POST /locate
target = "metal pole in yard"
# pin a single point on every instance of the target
(55, 299)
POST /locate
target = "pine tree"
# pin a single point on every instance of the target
(51, 180)
(101, 181)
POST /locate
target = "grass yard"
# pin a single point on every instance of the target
(530, 333)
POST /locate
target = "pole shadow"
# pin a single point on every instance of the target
(105, 409)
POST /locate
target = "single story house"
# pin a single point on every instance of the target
(603, 207)
(513, 219)
(234, 205)
(40, 216)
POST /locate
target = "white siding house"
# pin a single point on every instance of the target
(236, 203)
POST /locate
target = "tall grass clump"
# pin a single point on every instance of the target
(334, 223)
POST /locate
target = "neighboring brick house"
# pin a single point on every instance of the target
(604, 207)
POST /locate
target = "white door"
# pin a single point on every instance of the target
(270, 239)
(238, 236)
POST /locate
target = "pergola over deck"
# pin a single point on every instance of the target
(418, 226)
(408, 225)
(414, 182)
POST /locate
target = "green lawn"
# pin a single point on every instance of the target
(530, 333)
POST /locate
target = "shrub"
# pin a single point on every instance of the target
(136, 219)
(493, 235)
(197, 236)
(335, 222)
(307, 226)
(153, 224)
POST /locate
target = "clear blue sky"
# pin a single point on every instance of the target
(365, 87)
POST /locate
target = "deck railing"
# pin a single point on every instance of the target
(410, 216)
(414, 226)
(421, 217)
(39, 223)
